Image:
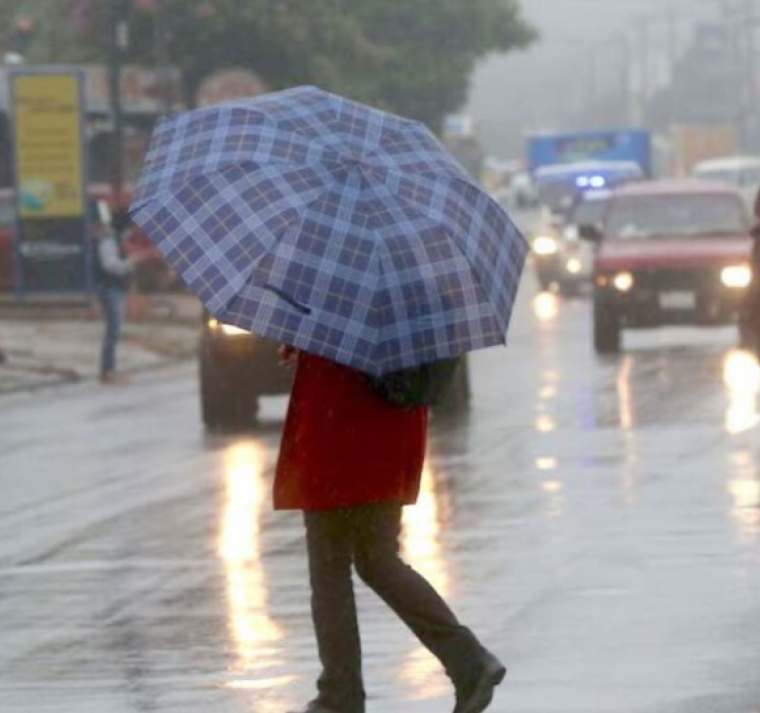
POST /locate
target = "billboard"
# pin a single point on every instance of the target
(50, 166)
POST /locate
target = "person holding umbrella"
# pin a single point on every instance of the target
(354, 239)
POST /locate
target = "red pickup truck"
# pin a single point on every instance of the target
(669, 252)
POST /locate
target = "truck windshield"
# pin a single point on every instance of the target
(675, 216)
(557, 196)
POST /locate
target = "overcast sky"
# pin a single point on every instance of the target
(582, 49)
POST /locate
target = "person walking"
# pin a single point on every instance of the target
(353, 235)
(351, 461)
(113, 270)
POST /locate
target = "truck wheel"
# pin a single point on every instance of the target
(606, 330)
(224, 406)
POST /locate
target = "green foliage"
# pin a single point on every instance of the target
(414, 57)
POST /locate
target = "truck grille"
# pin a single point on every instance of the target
(672, 280)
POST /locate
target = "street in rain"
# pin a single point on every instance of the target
(589, 502)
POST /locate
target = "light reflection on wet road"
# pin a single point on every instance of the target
(596, 520)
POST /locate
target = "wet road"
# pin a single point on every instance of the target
(596, 520)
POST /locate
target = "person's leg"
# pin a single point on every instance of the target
(328, 537)
(410, 596)
(112, 301)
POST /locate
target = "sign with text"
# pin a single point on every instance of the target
(52, 249)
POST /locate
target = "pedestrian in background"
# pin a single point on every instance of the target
(113, 270)
(351, 460)
(749, 321)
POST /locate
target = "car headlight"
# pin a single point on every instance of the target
(228, 329)
(545, 245)
(574, 266)
(736, 277)
(623, 281)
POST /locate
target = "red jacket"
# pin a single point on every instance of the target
(343, 445)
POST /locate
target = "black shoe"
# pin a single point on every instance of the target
(476, 695)
(319, 707)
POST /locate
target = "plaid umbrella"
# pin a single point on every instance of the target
(333, 227)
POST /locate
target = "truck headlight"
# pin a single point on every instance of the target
(229, 330)
(623, 281)
(736, 277)
(545, 245)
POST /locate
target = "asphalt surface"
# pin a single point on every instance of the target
(595, 520)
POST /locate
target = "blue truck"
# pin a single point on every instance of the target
(625, 145)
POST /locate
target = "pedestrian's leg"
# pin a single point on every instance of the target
(412, 598)
(112, 302)
(107, 347)
(328, 536)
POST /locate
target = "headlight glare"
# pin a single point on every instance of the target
(623, 281)
(736, 277)
(227, 329)
(545, 245)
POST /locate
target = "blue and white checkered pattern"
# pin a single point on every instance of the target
(321, 223)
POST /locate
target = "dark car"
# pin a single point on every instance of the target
(237, 368)
(669, 253)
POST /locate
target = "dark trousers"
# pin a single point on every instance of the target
(112, 302)
(367, 537)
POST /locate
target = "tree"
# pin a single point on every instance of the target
(414, 58)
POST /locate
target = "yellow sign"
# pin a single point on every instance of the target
(49, 137)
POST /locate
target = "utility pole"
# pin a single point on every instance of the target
(118, 42)
(644, 72)
(161, 55)
(673, 100)
(749, 21)
(625, 80)
(592, 78)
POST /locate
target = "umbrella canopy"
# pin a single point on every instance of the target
(333, 227)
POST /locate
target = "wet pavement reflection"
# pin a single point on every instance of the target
(595, 519)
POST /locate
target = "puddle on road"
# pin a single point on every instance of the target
(744, 490)
(422, 549)
(255, 636)
(546, 307)
(741, 375)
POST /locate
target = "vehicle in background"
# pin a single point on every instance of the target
(605, 146)
(100, 220)
(7, 239)
(460, 139)
(520, 193)
(237, 368)
(559, 188)
(576, 255)
(669, 252)
(692, 144)
(741, 172)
